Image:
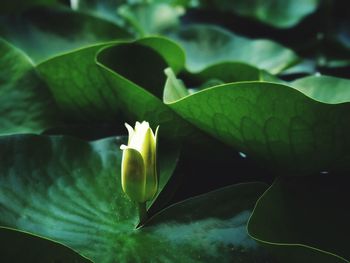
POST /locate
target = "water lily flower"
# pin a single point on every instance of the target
(139, 172)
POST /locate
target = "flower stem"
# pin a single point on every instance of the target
(142, 212)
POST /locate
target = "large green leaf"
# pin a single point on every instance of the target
(17, 242)
(122, 80)
(324, 88)
(45, 32)
(26, 105)
(150, 13)
(138, 84)
(15, 6)
(206, 45)
(229, 72)
(78, 87)
(174, 88)
(147, 18)
(305, 219)
(277, 13)
(275, 123)
(221, 73)
(69, 191)
(105, 9)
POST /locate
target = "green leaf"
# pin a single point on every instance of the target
(17, 242)
(122, 80)
(151, 18)
(324, 88)
(277, 13)
(227, 72)
(217, 74)
(274, 123)
(206, 45)
(210, 227)
(43, 32)
(139, 84)
(26, 105)
(304, 219)
(304, 67)
(75, 198)
(78, 87)
(15, 6)
(104, 9)
(174, 88)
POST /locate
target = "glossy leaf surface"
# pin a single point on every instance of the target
(75, 198)
(302, 220)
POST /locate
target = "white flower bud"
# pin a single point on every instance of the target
(139, 173)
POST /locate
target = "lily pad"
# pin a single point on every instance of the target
(274, 123)
(122, 80)
(15, 6)
(147, 18)
(325, 89)
(221, 73)
(45, 32)
(229, 72)
(17, 242)
(81, 92)
(26, 105)
(206, 45)
(174, 88)
(304, 219)
(139, 84)
(104, 9)
(69, 191)
(277, 13)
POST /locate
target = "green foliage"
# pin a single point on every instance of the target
(276, 123)
(208, 45)
(26, 105)
(277, 13)
(154, 18)
(77, 200)
(45, 32)
(262, 85)
(18, 241)
(14, 6)
(303, 204)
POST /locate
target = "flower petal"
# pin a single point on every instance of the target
(123, 147)
(130, 131)
(137, 141)
(133, 175)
